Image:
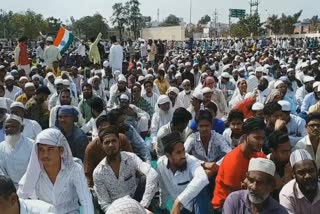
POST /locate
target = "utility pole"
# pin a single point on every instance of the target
(215, 19)
(158, 15)
(254, 6)
(190, 11)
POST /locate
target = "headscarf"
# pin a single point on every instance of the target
(52, 137)
(272, 95)
(164, 117)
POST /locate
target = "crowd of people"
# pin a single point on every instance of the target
(209, 127)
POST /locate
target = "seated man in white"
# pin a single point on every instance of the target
(11, 203)
(31, 128)
(54, 177)
(15, 150)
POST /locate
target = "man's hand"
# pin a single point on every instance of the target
(279, 124)
(176, 208)
(148, 212)
(210, 167)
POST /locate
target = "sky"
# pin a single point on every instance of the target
(63, 9)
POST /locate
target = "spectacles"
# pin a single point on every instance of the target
(313, 126)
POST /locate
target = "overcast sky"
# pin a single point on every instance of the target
(65, 8)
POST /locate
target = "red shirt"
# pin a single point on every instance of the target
(245, 107)
(231, 173)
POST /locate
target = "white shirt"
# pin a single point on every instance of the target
(14, 162)
(296, 129)
(11, 94)
(91, 125)
(35, 207)
(185, 98)
(116, 56)
(81, 50)
(51, 54)
(69, 189)
(109, 188)
(305, 143)
(31, 128)
(183, 185)
(152, 100)
(39, 52)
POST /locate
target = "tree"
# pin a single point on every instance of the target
(91, 26)
(119, 17)
(273, 24)
(314, 24)
(287, 22)
(247, 26)
(134, 17)
(171, 20)
(204, 20)
(53, 25)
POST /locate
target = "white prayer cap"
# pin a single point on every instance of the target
(277, 83)
(33, 67)
(17, 104)
(257, 107)
(204, 74)
(9, 77)
(314, 62)
(105, 63)
(122, 78)
(23, 78)
(66, 82)
(225, 75)
(28, 85)
(173, 89)
(49, 39)
(149, 76)
(315, 84)
(237, 58)
(195, 64)
(3, 103)
(16, 118)
(124, 97)
(290, 70)
(58, 81)
(225, 67)
(126, 205)
(259, 69)
(318, 88)
(49, 74)
(308, 79)
(251, 73)
(262, 165)
(299, 155)
(140, 78)
(198, 95)
(178, 75)
(117, 73)
(285, 105)
(163, 99)
(247, 63)
(188, 64)
(36, 76)
(206, 90)
(2, 67)
(265, 71)
(250, 68)
(185, 81)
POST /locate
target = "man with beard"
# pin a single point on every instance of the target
(117, 90)
(256, 198)
(37, 107)
(15, 150)
(188, 75)
(263, 90)
(234, 167)
(280, 153)
(304, 90)
(85, 103)
(294, 82)
(311, 141)
(29, 91)
(310, 99)
(3, 116)
(185, 95)
(11, 89)
(182, 178)
(302, 194)
(115, 176)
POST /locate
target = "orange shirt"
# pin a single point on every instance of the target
(230, 175)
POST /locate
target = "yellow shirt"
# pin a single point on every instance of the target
(163, 85)
(22, 98)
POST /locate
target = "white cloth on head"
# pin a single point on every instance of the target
(262, 165)
(126, 205)
(70, 186)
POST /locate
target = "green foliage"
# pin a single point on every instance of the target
(204, 20)
(247, 26)
(283, 24)
(171, 20)
(53, 25)
(119, 17)
(314, 24)
(90, 26)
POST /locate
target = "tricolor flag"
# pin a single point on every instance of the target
(63, 39)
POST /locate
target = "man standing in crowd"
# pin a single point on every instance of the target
(21, 57)
(116, 55)
(51, 53)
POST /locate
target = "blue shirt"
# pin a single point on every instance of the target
(217, 125)
(308, 101)
(139, 146)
